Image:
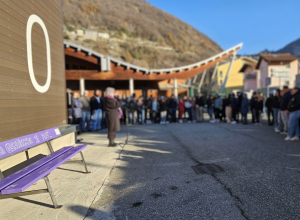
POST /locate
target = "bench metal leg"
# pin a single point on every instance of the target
(56, 206)
(79, 161)
(84, 164)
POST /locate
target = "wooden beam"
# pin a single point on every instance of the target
(81, 55)
(121, 73)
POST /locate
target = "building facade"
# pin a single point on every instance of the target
(235, 80)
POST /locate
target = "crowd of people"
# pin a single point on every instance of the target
(282, 110)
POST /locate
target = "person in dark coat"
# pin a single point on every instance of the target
(285, 99)
(103, 120)
(173, 108)
(259, 109)
(96, 111)
(113, 114)
(253, 106)
(234, 105)
(244, 108)
(276, 109)
(240, 99)
(293, 109)
(269, 105)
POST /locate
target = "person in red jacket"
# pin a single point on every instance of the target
(181, 109)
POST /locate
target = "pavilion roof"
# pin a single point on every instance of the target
(113, 69)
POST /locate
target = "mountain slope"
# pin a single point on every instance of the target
(292, 48)
(139, 33)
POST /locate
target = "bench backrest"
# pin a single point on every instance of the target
(11, 147)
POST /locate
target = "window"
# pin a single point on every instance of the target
(75, 67)
(288, 65)
(221, 82)
(82, 67)
(67, 66)
(221, 74)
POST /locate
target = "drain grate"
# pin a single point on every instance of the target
(206, 169)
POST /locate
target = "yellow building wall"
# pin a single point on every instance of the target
(235, 79)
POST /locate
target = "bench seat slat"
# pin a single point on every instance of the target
(22, 184)
(21, 173)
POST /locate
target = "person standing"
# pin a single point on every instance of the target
(181, 109)
(131, 110)
(148, 105)
(269, 105)
(210, 107)
(194, 110)
(86, 111)
(199, 107)
(228, 109)
(154, 110)
(259, 109)
(240, 99)
(96, 110)
(173, 108)
(77, 113)
(293, 110)
(276, 109)
(283, 108)
(234, 106)
(139, 107)
(188, 108)
(244, 108)
(103, 119)
(124, 110)
(70, 106)
(163, 111)
(218, 107)
(113, 114)
(253, 107)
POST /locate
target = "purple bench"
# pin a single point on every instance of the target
(15, 184)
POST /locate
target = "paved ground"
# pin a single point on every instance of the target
(153, 178)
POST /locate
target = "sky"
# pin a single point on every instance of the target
(259, 24)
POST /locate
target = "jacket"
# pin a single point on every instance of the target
(276, 102)
(172, 103)
(226, 102)
(95, 105)
(112, 114)
(260, 105)
(253, 103)
(76, 110)
(218, 103)
(162, 106)
(245, 106)
(69, 100)
(294, 104)
(234, 103)
(187, 104)
(240, 100)
(131, 106)
(200, 101)
(269, 103)
(86, 103)
(181, 106)
(285, 101)
(210, 103)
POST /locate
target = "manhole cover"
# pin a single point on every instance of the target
(206, 169)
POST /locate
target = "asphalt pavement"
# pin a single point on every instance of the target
(153, 178)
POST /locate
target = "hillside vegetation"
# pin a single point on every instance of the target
(139, 33)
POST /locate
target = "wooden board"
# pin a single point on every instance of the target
(24, 109)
